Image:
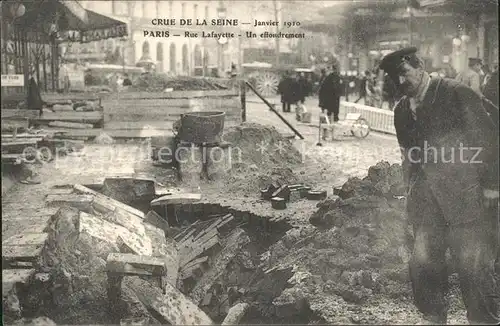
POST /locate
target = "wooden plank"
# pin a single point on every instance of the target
(22, 253)
(12, 158)
(197, 261)
(171, 95)
(198, 250)
(79, 201)
(23, 136)
(187, 230)
(180, 198)
(82, 189)
(156, 220)
(187, 271)
(70, 125)
(110, 232)
(86, 117)
(235, 242)
(236, 313)
(19, 113)
(26, 239)
(131, 264)
(172, 305)
(17, 275)
(11, 277)
(10, 125)
(19, 143)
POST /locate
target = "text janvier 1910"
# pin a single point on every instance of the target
(219, 22)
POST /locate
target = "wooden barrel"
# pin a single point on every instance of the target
(202, 127)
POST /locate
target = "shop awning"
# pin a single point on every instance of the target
(70, 20)
(99, 27)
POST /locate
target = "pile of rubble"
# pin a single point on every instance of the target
(260, 156)
(356, 256)
(107, 262)
(161, 82)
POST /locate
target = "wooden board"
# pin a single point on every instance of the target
(180, 198)
(101, 229)
(116, 203)
(18, 113)
(86, 117)
(173, 306)
(70, 125)
(26, 239)
(11, 277)
(28, 253)
(24, 136)
(70, 198)
(235, 242)
(133, 264)
(198, 250)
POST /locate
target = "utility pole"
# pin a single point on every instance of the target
(409, 9)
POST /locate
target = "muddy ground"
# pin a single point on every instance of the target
(344, 260)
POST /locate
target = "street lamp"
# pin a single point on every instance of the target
(221, 14)
(17, 10)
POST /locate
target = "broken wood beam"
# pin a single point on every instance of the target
(197, 249)
(180, 198)
(101, 229)
(70, 125)
(235, 314)
(156, 220)
(173, 306)
(82, 202)
(235, 242)
(12, 277)
(82, 189)
(120, 264)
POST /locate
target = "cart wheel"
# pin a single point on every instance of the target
(360, 128)
(267, 83)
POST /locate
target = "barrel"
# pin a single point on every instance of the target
(202, 127)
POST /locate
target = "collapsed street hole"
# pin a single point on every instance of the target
(222, 274)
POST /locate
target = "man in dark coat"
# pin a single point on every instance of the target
(329, 94)
(286, 88)
(450, 162)
(362, 85)
(490, 90)
(389, 92)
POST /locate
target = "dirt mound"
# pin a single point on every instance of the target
(260, 155)
(262, 145)
(356, 255)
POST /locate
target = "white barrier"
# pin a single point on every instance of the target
(379, 119)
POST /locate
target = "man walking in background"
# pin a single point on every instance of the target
(286, 90)
(450, 165)
(362, 87)
(329, 94)
(472, 76)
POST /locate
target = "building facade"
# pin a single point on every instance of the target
(179, 55)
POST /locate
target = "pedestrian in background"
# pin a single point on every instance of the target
(472, 76)
(286, 89)
(491, 88)
(370, 89)
(329, 94)
(362, 86)
(452, 188)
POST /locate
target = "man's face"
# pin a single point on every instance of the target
(410, 79)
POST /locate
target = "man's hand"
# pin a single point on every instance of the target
(490, 198)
